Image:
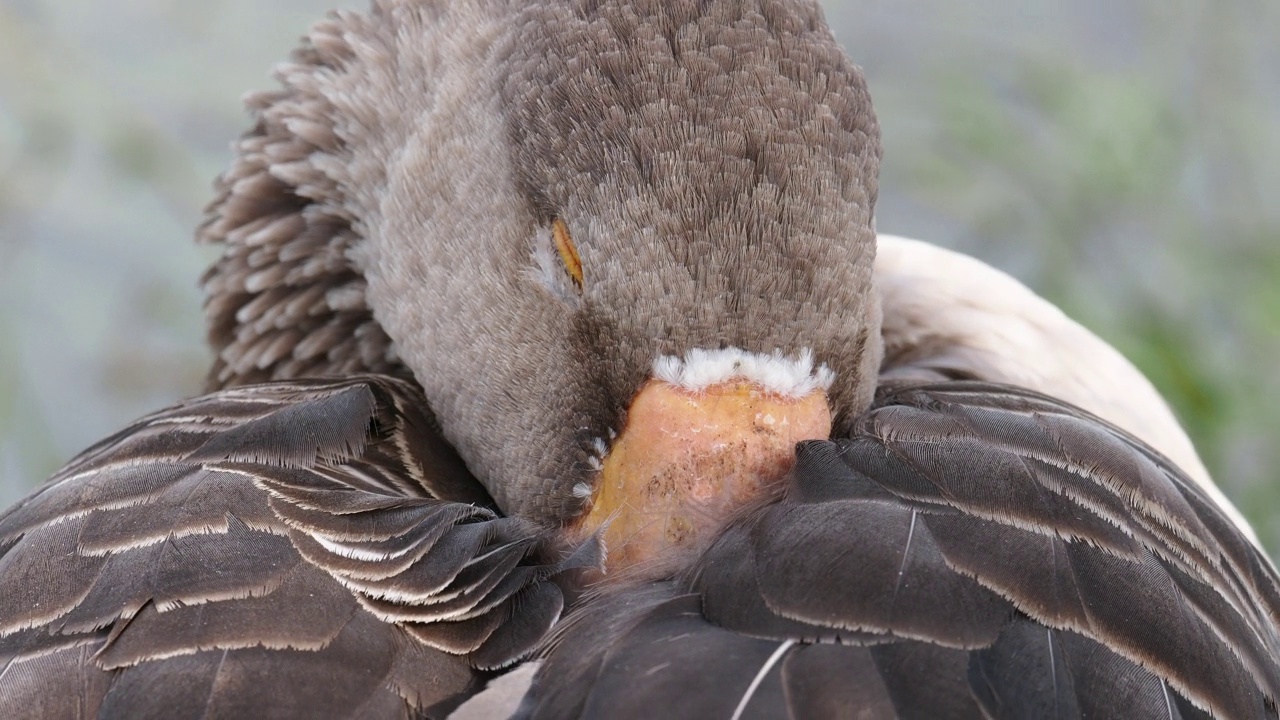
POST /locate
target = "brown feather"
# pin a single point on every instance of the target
(984, 566)
(204, 558)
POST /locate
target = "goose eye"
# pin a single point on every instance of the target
(568, 253)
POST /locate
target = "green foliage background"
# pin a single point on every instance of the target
(1123, 158)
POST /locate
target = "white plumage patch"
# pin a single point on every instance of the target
(787, 376)
(548, 270)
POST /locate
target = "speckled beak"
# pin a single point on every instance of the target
(687, 459)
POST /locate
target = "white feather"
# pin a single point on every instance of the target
(787, 376)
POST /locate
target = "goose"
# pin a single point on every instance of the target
(561, 372)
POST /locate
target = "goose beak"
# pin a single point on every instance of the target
(686, 460)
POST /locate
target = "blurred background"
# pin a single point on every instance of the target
(1122, 157)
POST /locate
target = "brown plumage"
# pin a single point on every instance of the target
(456, 243)
(949, 558)
(281, 521)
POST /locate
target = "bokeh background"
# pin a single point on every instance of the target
(1120, 156)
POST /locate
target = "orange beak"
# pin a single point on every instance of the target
(686, 461)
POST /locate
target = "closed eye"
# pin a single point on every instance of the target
(557, 265)
(568, 253)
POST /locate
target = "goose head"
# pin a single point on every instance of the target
(573, 224)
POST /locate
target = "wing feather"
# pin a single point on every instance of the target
(970, 550)
(272, 549)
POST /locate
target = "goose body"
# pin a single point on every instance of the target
(465, 246)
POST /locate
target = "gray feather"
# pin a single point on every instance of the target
(207, 560)
(982, 572)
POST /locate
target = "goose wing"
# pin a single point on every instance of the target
(969, 550)
(303, 549)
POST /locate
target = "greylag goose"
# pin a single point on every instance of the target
(558, 374)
